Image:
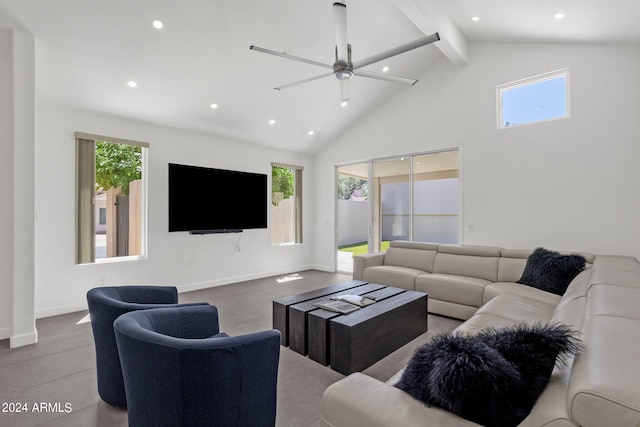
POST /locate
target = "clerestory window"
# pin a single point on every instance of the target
(535, 99)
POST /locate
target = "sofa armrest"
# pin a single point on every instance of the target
(361, 400)
(360, 262)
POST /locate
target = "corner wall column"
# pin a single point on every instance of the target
(24, 330)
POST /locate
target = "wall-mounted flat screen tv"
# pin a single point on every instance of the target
(206, 200)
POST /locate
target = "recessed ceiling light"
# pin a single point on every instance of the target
(559, 15)
(475, 18)
(385, 69)
(344, 104)
(157, 24)
(311, 132)
(272, 122)
(132, 84)
(214, 106)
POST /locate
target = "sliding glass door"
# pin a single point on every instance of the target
(436, 206)
(413, 197)
(391, 201)
(352, 213)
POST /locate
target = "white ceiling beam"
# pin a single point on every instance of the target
(430, 19)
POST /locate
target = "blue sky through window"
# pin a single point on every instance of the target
(536, 101)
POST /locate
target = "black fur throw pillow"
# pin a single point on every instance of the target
(464, 376)
(492, 378)
(550, 271)
(533, 350)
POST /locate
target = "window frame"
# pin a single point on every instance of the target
(85, 208)
(501, 89)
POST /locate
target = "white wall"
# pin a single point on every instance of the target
(189, 262)
(6, 185)
(567, 184)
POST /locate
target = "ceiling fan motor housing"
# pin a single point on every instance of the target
(343, 71)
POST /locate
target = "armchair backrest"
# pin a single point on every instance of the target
(175, 376)
(105, 305)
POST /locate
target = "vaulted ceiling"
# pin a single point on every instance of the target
(87, 51)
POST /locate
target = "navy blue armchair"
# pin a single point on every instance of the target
(105, 305)
(180, 371)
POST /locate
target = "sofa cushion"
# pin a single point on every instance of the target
(472, 261)
(511, 264)
(616, 262)
(451, 309)
(492, 378)
(449, 287)
(613, 300)
(610, 276)
(517, 308)
(551, 271)
(481, 321)
(399, 277)
(605, 382)
(419, 257)
(492, 290)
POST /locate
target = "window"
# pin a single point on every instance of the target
(110, 198)
(536, 99)
(286, 204)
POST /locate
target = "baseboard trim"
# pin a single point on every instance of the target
(322, 268)
(234, 279)
(61, 309)
(23, 339)
(5, 333)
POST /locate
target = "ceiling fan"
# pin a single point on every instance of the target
(344, 68)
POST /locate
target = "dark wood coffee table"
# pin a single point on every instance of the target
(351, 342)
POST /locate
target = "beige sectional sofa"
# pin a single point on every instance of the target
(599, 387)
(458, 279)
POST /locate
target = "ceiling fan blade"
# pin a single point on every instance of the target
(310, 79)
(292, 57)
(398, 50)
(340, 17)
(386, 77)
(344, 90)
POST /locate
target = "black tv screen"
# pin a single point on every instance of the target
(206, 200)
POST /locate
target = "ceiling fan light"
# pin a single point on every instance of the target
(344, 74)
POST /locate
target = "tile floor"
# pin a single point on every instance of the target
(59, 371)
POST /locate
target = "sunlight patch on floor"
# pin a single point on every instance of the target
(289, 278)
(85, 319)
